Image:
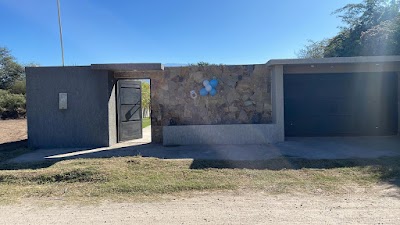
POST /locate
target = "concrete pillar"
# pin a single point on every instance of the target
(112, 110)
(278, 112)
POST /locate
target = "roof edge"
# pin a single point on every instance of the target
(128, 66)
(335, 60)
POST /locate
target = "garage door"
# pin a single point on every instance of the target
(340, 104)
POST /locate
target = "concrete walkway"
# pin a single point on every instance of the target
(308, 148)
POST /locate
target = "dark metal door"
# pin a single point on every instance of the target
(352, 104)
(129, 99)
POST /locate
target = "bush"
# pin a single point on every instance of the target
(19, 87)
(12, 106)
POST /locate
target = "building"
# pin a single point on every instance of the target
(97, 105)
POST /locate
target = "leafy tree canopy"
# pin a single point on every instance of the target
(145, 95)
(314, 49)
(372, 27)
(10, 70)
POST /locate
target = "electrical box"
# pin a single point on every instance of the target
(62, 100)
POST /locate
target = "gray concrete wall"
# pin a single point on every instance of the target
(278, 108)
(112, 110)
(85, 123)
(235, 134)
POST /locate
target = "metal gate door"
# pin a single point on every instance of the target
(129, 99)
(353, 104)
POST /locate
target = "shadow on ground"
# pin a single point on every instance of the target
(13, 149)
(381, 155)
(387, 167)
(13, 145)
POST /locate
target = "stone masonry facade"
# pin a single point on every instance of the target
(243, 96)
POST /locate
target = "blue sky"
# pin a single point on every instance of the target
(175, 31)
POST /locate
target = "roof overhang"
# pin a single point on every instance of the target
(339, 64)
(134, 67)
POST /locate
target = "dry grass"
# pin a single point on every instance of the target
(136, 177)
(12, 130)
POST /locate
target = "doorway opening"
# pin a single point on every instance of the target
(133, 111)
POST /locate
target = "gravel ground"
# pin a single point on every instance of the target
(12, 130)
(216, 208)
(378, 205)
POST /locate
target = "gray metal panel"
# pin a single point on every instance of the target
(398, 102)
(84, 123)
(130, 95)
(129, 110)
(340, 104)
(130, 130)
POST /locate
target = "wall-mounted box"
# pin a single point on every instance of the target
(62, 100)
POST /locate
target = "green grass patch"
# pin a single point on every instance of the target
(146, 122)
(133, 177)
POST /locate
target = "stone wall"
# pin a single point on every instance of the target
(244, 96)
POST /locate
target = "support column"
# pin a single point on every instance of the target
(278, 113)
(112, 112)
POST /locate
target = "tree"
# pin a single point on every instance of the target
(345, 44)
(145, 98)
(10, 70)
(372, 27)
(368, 23)
(382, 39)
(314, 49)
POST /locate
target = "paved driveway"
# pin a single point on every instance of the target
(308, 148)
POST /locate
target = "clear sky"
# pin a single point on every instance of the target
(166, 31)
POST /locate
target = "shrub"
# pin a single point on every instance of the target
(12, 106)
(19, 87)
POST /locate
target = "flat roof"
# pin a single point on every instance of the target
(336, 60)
(128, 66)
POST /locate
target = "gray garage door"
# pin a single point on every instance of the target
(340, 104)
(129, 110)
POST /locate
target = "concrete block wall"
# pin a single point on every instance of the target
(234, 134)
(85, 122)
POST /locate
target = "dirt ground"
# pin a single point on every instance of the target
(377, 205)
(12, 130)
(216, 208)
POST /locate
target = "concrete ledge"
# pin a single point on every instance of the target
(336, 60)
(128, 66)
(236, 134)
